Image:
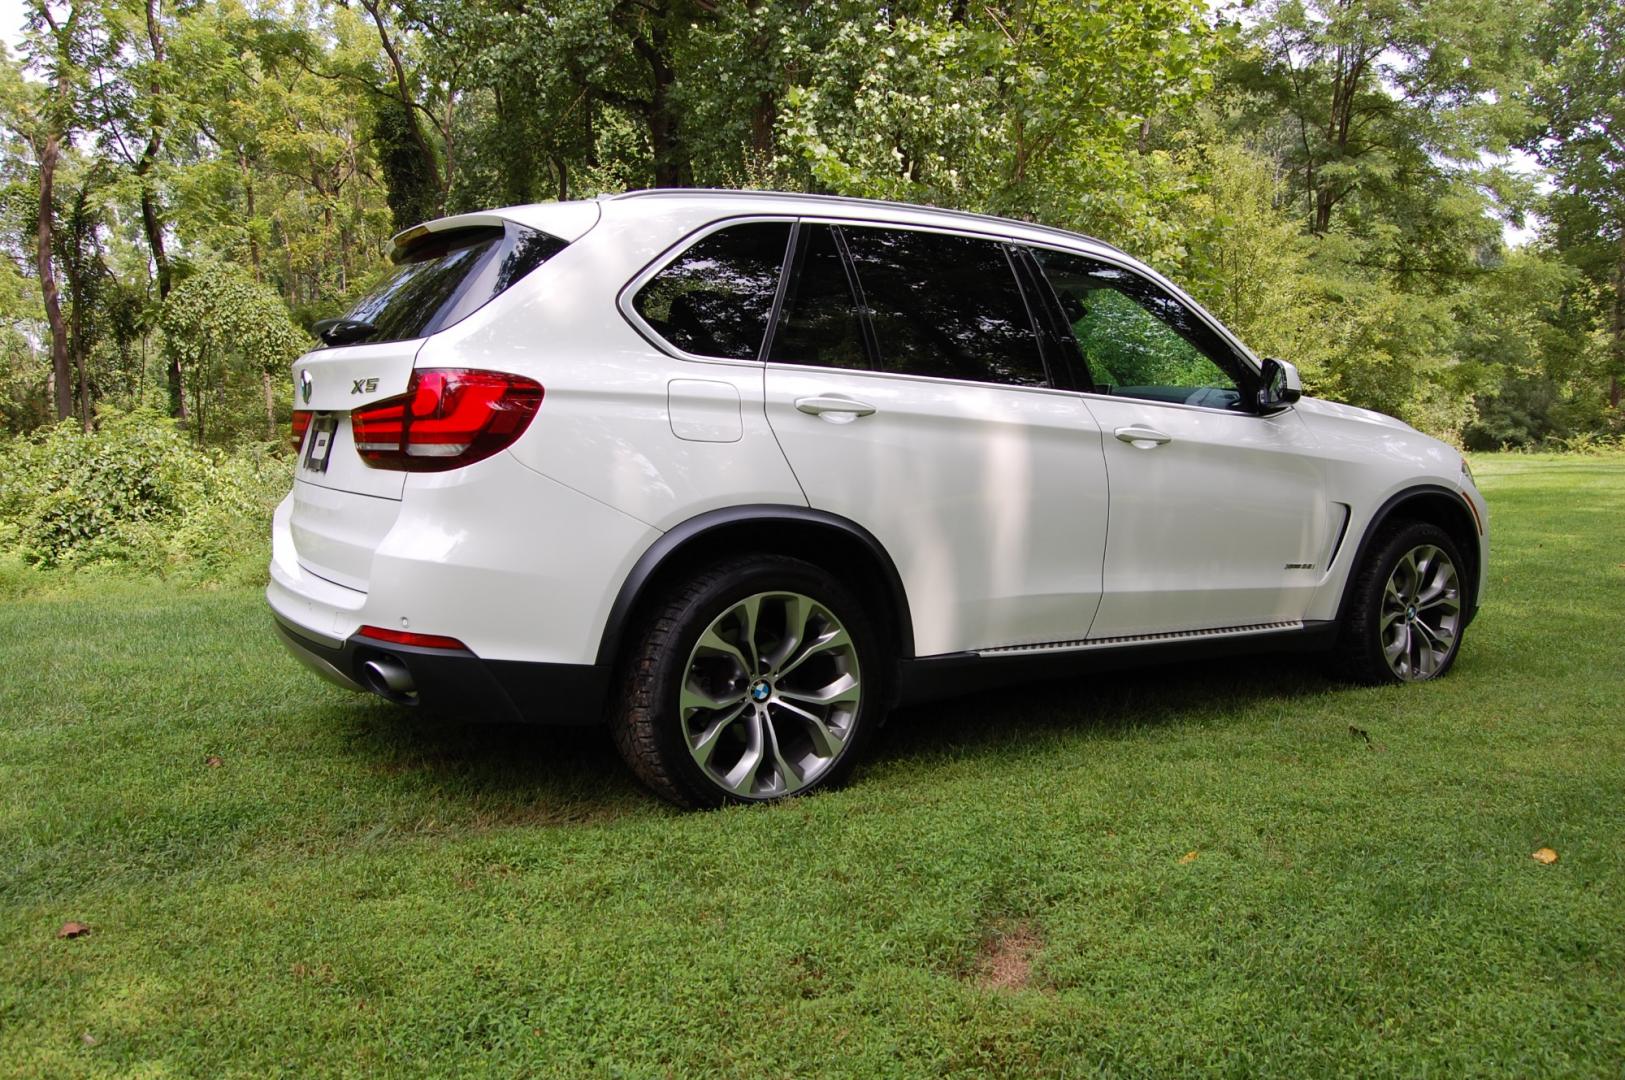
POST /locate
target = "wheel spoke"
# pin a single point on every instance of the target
(705, 745)
(825, 741)
(694, 698)
(789, 778)
(750, 616)
(742, 777)
(798, 611)
(843, 689)
(711, 641)
(830, 640)
(1395, 648)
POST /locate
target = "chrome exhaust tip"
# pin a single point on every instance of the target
(389, 677)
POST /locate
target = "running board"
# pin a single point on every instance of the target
(1090, 644)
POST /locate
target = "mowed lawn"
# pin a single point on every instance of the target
(1233, 868)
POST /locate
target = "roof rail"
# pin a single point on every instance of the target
(850, 200)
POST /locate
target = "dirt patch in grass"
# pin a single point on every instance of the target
(1005, 961)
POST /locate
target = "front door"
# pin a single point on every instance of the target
(1218, 514)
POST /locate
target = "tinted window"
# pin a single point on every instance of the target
(445, 277)
(715, 298)
(947, 306)
(820, 320)
(1136, 339)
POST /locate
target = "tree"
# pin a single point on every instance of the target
(228, 332)
(1579, 95)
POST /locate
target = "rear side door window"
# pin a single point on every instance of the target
(1137, 340)
(946, 306)
(819, 325)
(715, 298)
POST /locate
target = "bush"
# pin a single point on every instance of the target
(136, 494)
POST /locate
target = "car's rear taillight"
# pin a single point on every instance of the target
(301, 424)
(448, 418)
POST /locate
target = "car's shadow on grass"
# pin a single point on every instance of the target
(514, 773)
(1103, 703)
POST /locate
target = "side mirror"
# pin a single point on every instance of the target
(1282, 386)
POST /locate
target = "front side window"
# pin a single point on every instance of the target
(445, 277)
(1136, 339)
(947, 306)
(716, 297)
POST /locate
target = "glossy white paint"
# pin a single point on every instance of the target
(492, 555)
(990, 500)
(1206, 519)
(1014, 516)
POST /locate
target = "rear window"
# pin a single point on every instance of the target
(446, 277)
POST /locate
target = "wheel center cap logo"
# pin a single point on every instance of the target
(306, 383)
(1410, 613)
(760, 690)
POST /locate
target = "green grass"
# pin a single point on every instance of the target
(354, 889)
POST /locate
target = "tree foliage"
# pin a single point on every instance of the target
(1329, 176)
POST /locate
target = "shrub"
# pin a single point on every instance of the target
(136, 494)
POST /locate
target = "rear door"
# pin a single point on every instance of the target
(907, 387)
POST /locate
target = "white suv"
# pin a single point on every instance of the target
(739, 471)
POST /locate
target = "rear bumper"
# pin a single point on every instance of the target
(454, 681)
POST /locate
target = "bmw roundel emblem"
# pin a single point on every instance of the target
(305, 384)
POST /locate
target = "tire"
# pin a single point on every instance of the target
(700, 729)
(1406, 607)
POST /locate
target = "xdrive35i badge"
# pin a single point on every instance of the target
(305, 385)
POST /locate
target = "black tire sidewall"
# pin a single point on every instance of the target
(736, 581)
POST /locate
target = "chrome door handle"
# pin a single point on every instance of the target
(836, 408)
(1143, 437)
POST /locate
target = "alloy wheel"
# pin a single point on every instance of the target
(1421, 613)
(770, 695)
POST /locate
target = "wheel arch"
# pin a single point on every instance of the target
(837, 544)
(1434, 504)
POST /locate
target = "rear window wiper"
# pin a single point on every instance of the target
(343, 331)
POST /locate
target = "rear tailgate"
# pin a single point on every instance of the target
(342, 507)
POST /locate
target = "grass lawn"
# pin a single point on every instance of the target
(1009, 887)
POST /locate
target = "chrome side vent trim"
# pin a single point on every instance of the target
(1143, 639)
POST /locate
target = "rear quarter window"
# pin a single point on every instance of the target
(716, 297)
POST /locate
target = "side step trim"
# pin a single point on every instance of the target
(1087, 644)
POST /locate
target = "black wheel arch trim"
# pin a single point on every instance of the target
(1386, 512)
(680, 538)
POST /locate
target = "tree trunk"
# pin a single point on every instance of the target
(1618, 327)
(270, 407)
(62, 378)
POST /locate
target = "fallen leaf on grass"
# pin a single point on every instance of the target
(213, 761)
(73, 930)
(1544, 855)
(88, 1039)
(1188, 857)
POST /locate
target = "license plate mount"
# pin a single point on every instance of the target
(320, 445)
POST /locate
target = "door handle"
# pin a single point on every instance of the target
(834, 408)
(1143, 437)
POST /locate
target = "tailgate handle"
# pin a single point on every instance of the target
(1143, 437)
(835, 408)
